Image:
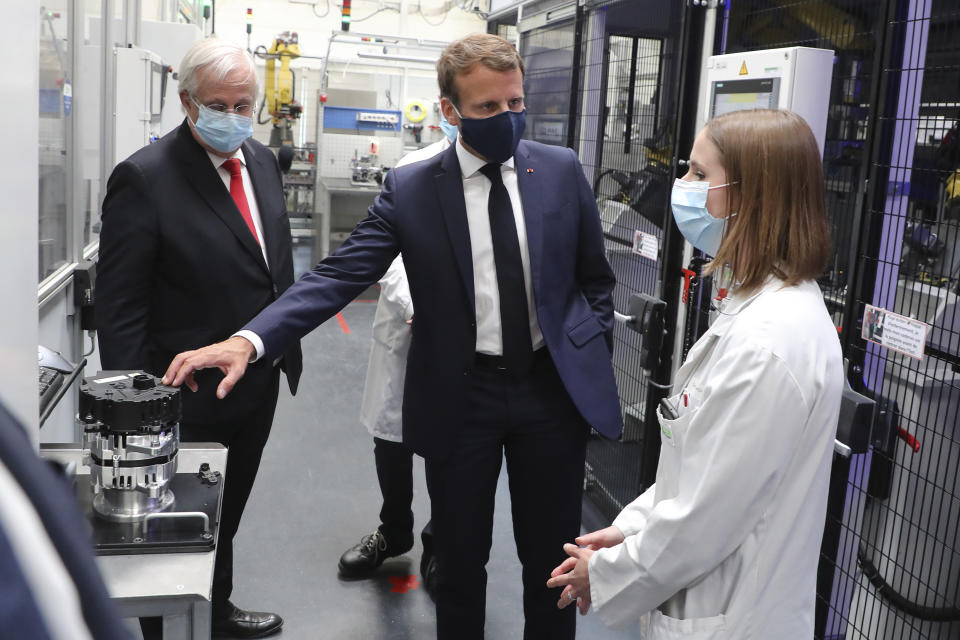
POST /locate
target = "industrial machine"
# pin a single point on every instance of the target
(794, 78)
(279, 88)
(137, 501)
(140, 87)
(130, 431)
(364, 170)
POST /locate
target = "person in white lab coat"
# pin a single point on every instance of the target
(380, 413)
(725, 545)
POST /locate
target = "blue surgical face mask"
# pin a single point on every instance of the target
(495, 138)
(448, 129)
(689, 204)
(224, 132)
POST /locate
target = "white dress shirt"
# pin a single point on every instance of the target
(247, 189)
(476, 192)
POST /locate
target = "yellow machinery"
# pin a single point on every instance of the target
(279, 87)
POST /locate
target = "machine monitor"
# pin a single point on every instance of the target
(794, 78)
(734, 95)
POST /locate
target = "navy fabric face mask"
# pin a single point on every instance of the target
(495, 138)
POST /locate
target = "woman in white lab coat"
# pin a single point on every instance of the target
(725, 545)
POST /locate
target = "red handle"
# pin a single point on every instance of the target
(688, 275)
(909, 439)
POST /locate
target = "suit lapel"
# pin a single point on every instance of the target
(450, 192)
(202, 175)
(528, 183)
(258, 169)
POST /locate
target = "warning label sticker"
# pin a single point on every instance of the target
(646, 244)
(893, 331)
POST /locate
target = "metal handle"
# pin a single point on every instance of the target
(842, 449)
(179, 514)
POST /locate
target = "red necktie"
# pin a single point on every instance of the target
(239, 195)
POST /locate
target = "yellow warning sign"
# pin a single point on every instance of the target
(743, 68)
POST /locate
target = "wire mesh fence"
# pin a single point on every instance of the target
(890, 565)
(891, 557)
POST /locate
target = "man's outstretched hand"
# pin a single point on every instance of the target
(230, 356)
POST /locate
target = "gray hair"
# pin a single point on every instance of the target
(220, 58)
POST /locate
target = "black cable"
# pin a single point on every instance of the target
(259, 121)
(934, 614)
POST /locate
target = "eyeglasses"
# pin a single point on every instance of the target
(242, 109)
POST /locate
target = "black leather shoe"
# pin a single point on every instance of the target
(361, 560)
(428, 570)
(246, 624)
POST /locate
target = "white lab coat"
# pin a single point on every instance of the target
(380, 408)
(725, 545)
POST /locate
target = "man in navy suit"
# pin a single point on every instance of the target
(510, 353)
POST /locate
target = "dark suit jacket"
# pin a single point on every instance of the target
(421, 212)
(179, 269)
(56, 505)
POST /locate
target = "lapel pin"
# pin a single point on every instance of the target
(529, 170)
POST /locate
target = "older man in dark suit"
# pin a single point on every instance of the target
(196, 242)
(510, 352)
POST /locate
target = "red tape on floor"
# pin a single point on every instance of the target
(343, 323)
(402, 584)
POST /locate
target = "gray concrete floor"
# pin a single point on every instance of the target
(317, 494)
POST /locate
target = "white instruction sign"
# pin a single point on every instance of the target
(646, 244)
(893, 331)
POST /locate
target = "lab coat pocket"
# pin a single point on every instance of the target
(674, 426)
(674, 414)
(662, 627)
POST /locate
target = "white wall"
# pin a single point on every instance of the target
(19, 179)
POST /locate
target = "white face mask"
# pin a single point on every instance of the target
(689, 203)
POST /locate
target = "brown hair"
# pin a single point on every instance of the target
(462, 55)
(780, 227)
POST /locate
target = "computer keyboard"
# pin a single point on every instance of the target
(50, 382)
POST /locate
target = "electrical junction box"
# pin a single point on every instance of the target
(794, 78)
(140, 84)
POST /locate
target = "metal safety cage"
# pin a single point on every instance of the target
(890, 560)
(621, 110)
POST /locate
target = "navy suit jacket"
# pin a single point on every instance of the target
(56, 506)
(421, 212)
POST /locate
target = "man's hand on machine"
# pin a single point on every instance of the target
(230, 356)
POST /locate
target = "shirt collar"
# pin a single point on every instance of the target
(219, 160)
(470, 164)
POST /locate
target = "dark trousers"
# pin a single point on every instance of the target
(245, 440)
(395, 475)
(530, 420)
